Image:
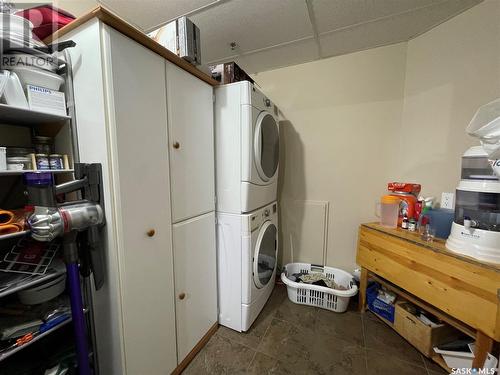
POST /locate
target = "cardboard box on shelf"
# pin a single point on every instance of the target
(45, 100)
(182, 37)
(422, 336)
(228, 73)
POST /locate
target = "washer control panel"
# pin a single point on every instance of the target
(262, 215)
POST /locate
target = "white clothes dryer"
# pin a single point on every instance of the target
(246, 148)
(247, 250)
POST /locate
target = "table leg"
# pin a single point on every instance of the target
(363, 284)
(484, 345)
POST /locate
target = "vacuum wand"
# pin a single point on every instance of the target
(50, 221)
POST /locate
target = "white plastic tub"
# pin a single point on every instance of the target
(319, 296)
(14, 24)
(463, 360)
(29, 75)
(455, 359)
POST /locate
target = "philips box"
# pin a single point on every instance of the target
(44, 100)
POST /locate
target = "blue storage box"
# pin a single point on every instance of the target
(378, 306)
(441, 220)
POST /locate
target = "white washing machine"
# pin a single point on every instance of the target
(247, 250)
(246, 148)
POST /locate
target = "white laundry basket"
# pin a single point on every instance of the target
(316, 295)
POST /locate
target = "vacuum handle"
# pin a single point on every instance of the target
(57, 47)
(96, 256)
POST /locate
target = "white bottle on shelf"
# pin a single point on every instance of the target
(3, 158)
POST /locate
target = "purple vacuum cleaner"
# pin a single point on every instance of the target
(79, 223)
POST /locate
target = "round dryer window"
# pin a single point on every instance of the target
(266, 248)
(266, 146)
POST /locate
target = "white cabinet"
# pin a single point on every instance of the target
(195, 280)
(140, 166)
(191, 135)
(131, 106)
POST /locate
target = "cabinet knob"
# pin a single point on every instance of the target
(151, 232)
(177, 145)
(182, 296)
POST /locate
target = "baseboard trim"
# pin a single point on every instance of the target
(186, 361)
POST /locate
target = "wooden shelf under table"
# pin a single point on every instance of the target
(435, 357)
(464, 328)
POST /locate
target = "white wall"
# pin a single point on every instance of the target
(451, 71)
(355, 122)
(341, 115)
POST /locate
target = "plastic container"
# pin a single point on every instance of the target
(43, 292)
(485, 125)
(476, 165)
(14, 94)
(15, 24)
(455, 359)
(388, 211)
(407, 203)
(441, 220)
(46, 19)
(486, 121)
(17, 32)
(319, 296)
(19, 163)
(29, 75)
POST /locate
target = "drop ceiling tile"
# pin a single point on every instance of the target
(150, 13)
(390, 30)
(278, 57)
(253, 25)
(335, 14)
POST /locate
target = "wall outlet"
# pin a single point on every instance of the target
(448, 201)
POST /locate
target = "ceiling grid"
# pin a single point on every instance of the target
(312, 19)
(276, 33)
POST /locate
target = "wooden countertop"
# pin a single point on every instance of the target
(116, 22)
(437, 245)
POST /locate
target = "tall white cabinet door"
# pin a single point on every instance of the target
(191, 135)
(195, 280)
(138, 138)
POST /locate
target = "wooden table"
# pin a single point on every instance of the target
(459, 290)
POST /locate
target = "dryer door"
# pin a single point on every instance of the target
(266, 146)
(266, 249)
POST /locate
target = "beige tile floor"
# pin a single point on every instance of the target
(293, 339)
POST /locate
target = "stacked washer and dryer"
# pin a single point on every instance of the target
(247, 160)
